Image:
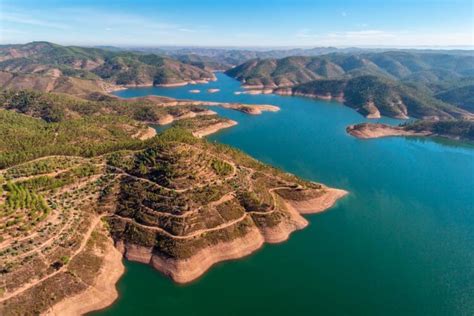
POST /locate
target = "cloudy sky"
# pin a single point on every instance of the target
(393, 23)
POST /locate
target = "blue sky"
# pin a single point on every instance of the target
(240, 23)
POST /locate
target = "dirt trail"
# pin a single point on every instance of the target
(193, 234)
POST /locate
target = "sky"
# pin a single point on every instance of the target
(247, 23)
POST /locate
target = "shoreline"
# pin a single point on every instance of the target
(98, 296)
(190, 269)
(369, 131)
(253, 109)
(214, 128)
(321, 203)
(376, 130)
(369, 110)
(114, 87)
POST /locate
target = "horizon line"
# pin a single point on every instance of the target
(249, 47)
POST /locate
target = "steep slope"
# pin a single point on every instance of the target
(374, 96)
(462, 97)
(53, 81)
(393, 65)
(284, 72)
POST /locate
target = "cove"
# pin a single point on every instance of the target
(402, 242)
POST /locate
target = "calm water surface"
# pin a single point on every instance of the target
(402, 243)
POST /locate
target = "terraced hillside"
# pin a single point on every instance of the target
(53, 243)
(79, 176)
(184, 205)
(180, 204)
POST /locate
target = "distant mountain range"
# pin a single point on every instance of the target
(402, 83)
(393, 65)
(233, 56)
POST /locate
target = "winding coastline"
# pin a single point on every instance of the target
(190, 269)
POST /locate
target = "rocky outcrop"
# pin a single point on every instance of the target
(187, 270)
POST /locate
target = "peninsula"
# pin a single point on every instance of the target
(85, 181)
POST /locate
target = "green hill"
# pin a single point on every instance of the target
(109, 67)
(371, 95)
(394, 65)
(462, 97)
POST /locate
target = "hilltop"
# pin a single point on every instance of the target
(428, 84)
(203, 204)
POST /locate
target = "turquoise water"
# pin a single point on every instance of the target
(402, 243)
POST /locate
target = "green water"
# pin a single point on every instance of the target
(402, 243)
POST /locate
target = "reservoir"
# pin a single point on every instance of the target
(402, 242)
